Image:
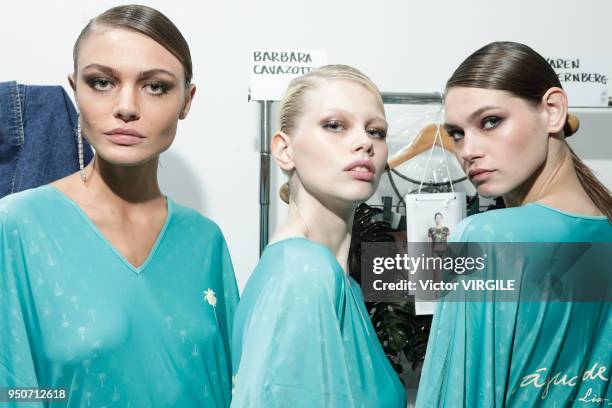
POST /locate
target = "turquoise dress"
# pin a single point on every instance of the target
(302, 336)
(76, 314)
(526, 353)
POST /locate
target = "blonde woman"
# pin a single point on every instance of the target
(302, 336)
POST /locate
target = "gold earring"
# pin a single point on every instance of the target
(284, 192)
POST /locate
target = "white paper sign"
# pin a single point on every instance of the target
(272, 70)
(432, 218)
(585, 79)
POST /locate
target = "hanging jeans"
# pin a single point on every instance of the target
(37, 136)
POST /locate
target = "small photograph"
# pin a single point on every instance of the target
(438, 234)
(431, 218)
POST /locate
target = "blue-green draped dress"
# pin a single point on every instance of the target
(302, 336)
(521, 353)
(74, 313)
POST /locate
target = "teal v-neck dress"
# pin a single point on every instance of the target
(76, 314)
(302, 336)
(525, 353)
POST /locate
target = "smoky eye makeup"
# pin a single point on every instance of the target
(333, 125)
(489, 122)
(99, 82)
(334, 120)
(455, 132)
(103, 83)
(377, 132)
(158, 81)
(377, 127)
(158, 87)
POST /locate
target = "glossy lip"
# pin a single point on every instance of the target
(360, 174)
(124, 131)
(479, 174)
(124, 136)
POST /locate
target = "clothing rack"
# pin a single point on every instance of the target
(265, 132)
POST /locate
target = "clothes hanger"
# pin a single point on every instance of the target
(423, 141)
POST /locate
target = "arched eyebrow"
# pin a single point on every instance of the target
(106, 69)
(479, 111)
(152, 72)
(348, 114)
(450, 126)
(141, 75)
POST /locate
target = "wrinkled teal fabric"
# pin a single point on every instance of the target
(521, 353)
(303, 338)
(76, 314)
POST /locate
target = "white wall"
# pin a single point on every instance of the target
(404, 46)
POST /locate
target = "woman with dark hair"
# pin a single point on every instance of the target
(109, 289)
(507, 113)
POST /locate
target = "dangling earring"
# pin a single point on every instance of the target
(284, 193)
(80, 150)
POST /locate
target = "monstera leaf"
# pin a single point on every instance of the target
(399, 329)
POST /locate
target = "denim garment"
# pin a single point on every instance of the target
(37, 136)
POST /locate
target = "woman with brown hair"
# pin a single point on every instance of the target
(507, 113)
(109, 290)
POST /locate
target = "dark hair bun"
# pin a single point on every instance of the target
(572, 124)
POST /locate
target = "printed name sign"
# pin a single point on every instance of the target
(585, 79)
(272, 70)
